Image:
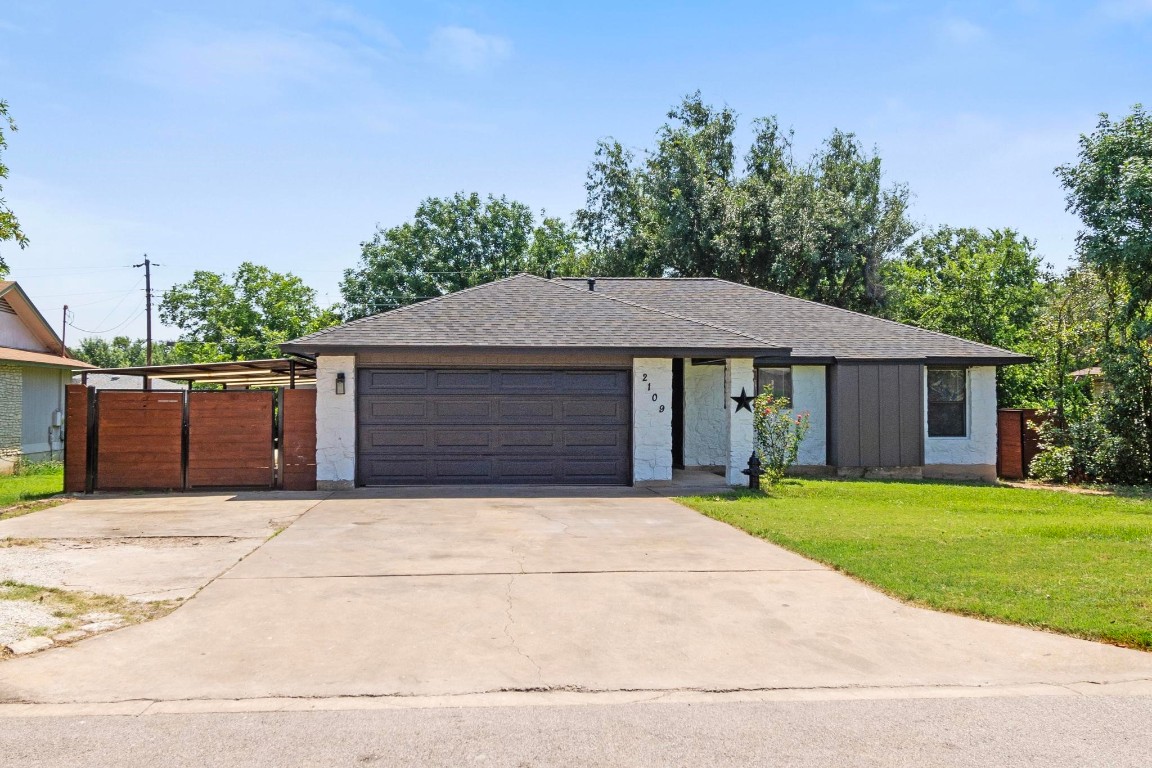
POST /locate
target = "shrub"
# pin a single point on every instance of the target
(778, 434)
(1053, 465)
(26, 467)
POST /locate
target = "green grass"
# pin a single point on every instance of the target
(1067, 562)
(34, 482)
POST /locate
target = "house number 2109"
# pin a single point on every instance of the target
(655, 396)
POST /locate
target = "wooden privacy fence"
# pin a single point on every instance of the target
(180, 440)
(1016, 442)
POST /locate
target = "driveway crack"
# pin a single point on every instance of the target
(508, 629)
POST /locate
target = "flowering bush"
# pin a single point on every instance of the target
(778, 434)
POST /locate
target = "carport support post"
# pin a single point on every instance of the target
(739, 378)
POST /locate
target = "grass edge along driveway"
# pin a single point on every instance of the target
(25, 488)
(1066, 562)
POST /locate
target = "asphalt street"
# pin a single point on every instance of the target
(1050, 731)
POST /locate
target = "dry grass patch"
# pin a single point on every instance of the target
(74, 610)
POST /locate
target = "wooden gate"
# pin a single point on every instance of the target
(1016, 441)
(179, 440)
(230, 439)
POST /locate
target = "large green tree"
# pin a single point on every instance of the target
(9, 225)
(240, 317)
(121, 352)
(819, 229)
(989, 287)
(455, 243)
(1110, 189)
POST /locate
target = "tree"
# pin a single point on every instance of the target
(819, 230)
(242, 318)
(1110, 189)
(9, 225)
(451, 244)
(986, 287)
(122, 352)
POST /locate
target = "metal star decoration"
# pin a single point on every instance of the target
(744, 401)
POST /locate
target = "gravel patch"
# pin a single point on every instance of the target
(28, 565)
(17, 617)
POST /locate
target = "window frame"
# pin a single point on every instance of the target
(964, 403)
(790, 394)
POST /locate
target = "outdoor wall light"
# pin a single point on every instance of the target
(340, 383)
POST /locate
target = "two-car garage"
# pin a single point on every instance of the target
(434, 426)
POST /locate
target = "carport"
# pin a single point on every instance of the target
(257, 431)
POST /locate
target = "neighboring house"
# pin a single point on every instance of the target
(528, 380)
(1095, 376)
(118, 381)
(34, 367)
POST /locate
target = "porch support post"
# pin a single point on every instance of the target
(651, 419)
(739, 377)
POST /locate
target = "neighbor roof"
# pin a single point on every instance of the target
(810, 329)
(531, 312)
(678, 316)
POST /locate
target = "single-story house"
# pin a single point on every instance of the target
(34, 368)
(118, 381)
(595, 381)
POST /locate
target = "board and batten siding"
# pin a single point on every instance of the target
(876, 415)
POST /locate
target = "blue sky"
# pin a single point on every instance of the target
(209, 133)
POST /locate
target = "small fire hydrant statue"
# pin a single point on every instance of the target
(754, 471)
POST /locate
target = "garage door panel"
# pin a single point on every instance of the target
(461, 438)
(393, 408)
(473, 426)
(393, 381)
(386, 437)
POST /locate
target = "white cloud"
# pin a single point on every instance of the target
(961, 31)
(1126, 10)
(466, 49)
(365, 27)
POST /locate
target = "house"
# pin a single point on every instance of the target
(34, 368)
(570, 381)
(125, 381)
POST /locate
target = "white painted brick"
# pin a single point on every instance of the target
(979, 447)
(738, 376)
(705, 416)
(809, 393)
(651, 419)
(335, 423)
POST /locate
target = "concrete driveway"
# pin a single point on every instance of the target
(378, 599)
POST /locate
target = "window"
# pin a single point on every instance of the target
(947, 402)
(776, 381)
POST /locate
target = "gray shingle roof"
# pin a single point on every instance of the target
(809, 328)
(531, 312)
(698, 314)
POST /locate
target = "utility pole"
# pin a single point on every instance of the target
(147, 306)
(64, 334)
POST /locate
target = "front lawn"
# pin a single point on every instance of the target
(1067, 562)
(38, 483)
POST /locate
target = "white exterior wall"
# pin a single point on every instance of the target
(42, 397)
(738, 375)
(705, 417)
(810, 393)
(335, 423)
(979, 447)
(651, 419)
(14, 334)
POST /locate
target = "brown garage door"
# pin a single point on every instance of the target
(445, 426)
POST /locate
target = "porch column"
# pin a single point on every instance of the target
(335, 423)
(739, 376)
(651, 419)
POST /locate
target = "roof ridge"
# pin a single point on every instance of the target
(645, 307)
(421, 303)
(866, 315)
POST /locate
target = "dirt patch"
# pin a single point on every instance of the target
(27, 610)
(153, 542)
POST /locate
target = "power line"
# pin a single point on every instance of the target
(113, 328)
